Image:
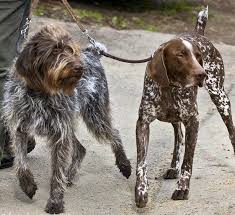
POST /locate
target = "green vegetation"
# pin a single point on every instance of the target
(122, 14)
(116, 21)
(40, 11)
(141, 23)
(119, 22)
(83, 13)
(176, 7)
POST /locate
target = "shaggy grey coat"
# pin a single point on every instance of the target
(29, 113)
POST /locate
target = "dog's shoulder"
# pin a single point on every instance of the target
(93, 79)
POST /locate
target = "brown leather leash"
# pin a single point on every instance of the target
(92, 40)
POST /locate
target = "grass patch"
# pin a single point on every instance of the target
(83, 13)
(119, 22)
(141, 24)
(40, 10)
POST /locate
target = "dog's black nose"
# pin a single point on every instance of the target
(78, 68)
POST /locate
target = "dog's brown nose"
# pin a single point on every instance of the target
(200, 77)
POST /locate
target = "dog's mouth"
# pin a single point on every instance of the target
(76, 75)
(200, 82)
(195, 84)
(70, 80)
(197, 81)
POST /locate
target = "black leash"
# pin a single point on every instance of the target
(92, 40)
(125, 60)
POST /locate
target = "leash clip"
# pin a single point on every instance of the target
(92, 41)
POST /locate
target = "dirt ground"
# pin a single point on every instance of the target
(101, 189)
(136, 15)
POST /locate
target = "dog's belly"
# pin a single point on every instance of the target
(169, 115)
(177, 111)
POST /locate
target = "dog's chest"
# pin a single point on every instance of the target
(44, 115)
(168, 104)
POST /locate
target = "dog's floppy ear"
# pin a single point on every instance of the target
(27, 67)
(24, 63)
(156, 68)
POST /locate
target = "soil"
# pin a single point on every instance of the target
(174, 19)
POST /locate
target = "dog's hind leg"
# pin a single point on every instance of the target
(173, 172)
(214, 85)
(78, 153)
(26, 179)
(59, 159)
(98, 121)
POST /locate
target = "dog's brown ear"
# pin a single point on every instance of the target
(24, 63)
(156, 68)
(28, 68)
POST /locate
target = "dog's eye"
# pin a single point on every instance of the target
(197, 55)
(180, 55)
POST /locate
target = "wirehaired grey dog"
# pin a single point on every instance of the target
(51, 83)
(172, 78)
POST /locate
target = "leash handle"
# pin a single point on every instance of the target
(92, 40)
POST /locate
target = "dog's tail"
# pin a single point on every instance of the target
(201, 21)
(97, 49)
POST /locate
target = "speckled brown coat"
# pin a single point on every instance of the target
(177, 104)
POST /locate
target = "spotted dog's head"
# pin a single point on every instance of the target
(177, 63)
(50, 62)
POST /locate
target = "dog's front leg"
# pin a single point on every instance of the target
(142, 141)
(59, 160)
(191, 133)
(25, 176)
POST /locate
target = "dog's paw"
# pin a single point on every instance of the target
(180, 194)
(171, 173)
(125, 168)
(54, 207)
(28, 184)
(30, 190)
(182, 190)
(141, 198)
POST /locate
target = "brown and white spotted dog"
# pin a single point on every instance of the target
(171, 82)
